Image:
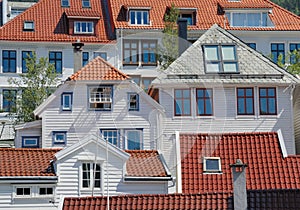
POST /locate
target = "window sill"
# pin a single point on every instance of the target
(268, 116)
(205, 117)
(245, 117)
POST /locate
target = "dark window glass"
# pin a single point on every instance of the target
(56, 59)
(204, 102)
(276, 50)
(182, 102)
(9, 61)
(267, 101)
(245, 101)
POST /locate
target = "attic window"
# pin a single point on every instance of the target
(139, 17)
(65, 3)
(28, 26)
(86, 3)
(249, 19)
(82, 27)
(212, 165)
(189, 15)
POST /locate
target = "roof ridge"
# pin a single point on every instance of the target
(230, 133)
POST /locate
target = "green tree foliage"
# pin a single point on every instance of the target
(34, 87)
(168, 50)
(293, 60)
(291, 5)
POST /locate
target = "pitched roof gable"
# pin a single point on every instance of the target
(145, 163)
(23, 162)
(207, 13)
(253, 67)
(267, 169)
(98, 69)
(54, 27)
(257, 199)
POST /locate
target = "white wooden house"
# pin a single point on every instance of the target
(99, 100)
(221, 85)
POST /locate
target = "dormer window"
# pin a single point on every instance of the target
(65, 3)
(86, 3)
(220, 59)
(139, 17)
(249, 19)
(28, 26)
(189, 15)
(212, 165)
(83, 27)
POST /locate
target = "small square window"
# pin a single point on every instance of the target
(86, 3)
(133, 102)
(46, 191)
(212, 164)
(59, 137)
(65, 3)
(100, 98)
(23, 191)
(28, 26)
(66, 101)
(30, 141)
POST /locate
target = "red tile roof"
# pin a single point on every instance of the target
(267, 169)
(51, 23)
(208, 12)
(26, 162)
(144, 163)
(257, 199)
(98, 69)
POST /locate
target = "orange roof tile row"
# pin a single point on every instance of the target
(26, 162)
(256, 199)
(98, 69)
(267, 169)
(145, 163)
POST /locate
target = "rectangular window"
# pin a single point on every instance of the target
(66, 101)
(101, 54)
(100, 98)
(85, 58)
(182, 102)
(133, 139)
(220, 59)
(28, 26)
(267, 101)
(294, 47)
(23, 191)
(30, 141)
(130, 52)
(91, 175)
(25, 56)
(86, 3)
(212, 164)
(59, 137)
(245, 101)
(276, 50)
(146, 84)
(46, 191)
(252, 45)
(189, 16)
(149, 48)
(249, 19)
(133, 102)
(55, 58)
(112, 136)
(65, 3)
(204, 99)
(9, 100)
(9, 61)
(81, 27)
(139, 17)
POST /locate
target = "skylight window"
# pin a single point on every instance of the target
(139, 17)
(249, 19)
(86, 3)
(220, 59)
(65, 3)
(212, 165)
(28, 26)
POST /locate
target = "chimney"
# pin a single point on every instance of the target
(239, 185)
(77, 49)
(182, 34)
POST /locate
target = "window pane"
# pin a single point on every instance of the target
(249, 106)
(228, 52)
(211, 53)
(139, 17)
(212, 164)
(239, 19)
(134, 140)
(187, 108)
(132, 17)
(213, 67)
(145, 17)
(230, 67)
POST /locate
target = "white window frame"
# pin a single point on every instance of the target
(24, 138)
(70, 99)
(34, 191)
(57, 141)
(230, 14)
(98, 96)
(92, 180)
(126, 138)
(46, 195)
(80, 31)
(23, 196)
(136, 11)
(206, 170)
(112, 130)
(28, 25)
(137, 101)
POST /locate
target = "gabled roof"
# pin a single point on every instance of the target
(253, 67)
(257, 199)
(51, 23)
(23, 162)
(267, 169)
(145, 163)
(207, 13)
(98, 69)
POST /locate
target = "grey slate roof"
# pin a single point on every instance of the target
(253, 67)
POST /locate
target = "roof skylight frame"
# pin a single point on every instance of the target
(208, 170)
(28, 25)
